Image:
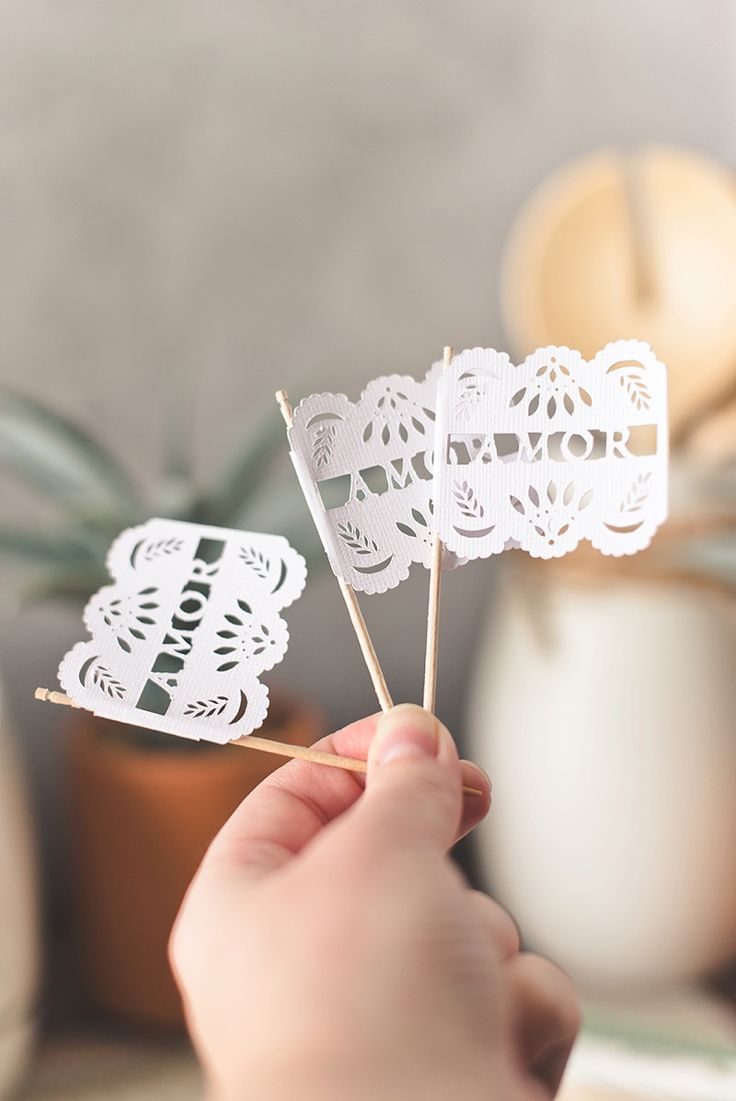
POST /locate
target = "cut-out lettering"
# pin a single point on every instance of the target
(181, 637)
(550, 452)
(366, 472)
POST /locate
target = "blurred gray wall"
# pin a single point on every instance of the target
(236, 196)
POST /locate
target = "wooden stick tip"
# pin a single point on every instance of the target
(282, 398)
(48, 695)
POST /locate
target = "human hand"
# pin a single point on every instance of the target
(329, 948)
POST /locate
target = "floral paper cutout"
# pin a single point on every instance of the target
(366, 471)
(181, 637)
(556, 450)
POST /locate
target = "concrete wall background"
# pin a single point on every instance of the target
(241, 195)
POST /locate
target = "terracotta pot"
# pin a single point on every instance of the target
(141, 820)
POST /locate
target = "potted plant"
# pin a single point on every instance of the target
(142, 805)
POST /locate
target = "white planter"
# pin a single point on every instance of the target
(612, 750)
(19, 953)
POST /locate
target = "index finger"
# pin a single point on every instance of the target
(293, 804)
(289, 808)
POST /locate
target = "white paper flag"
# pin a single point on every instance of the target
(552, 451)
(190, 623)
(365, 469)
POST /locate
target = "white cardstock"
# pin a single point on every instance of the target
(365, 469)
(181, 637)
(552, 451)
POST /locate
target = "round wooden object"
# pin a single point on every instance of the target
(640, 246)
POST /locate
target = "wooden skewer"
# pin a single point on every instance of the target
(251, 741)
(351, 601)
(433, 627)
(48, 695)
(433, 609)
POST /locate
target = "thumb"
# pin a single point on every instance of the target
(413, 796)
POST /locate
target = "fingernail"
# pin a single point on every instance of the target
(406, 731)
(475, 776)
(476, 782)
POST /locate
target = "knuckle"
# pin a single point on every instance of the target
(500, 925)
(555, 987)
(176, 947)
(569, 1005)
(183, 945)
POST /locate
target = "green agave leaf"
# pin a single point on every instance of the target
(245, 475)
(67, 585)
(48, 549)
(174, 498)
(98, 529)
(177, 438)
(60, 459)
